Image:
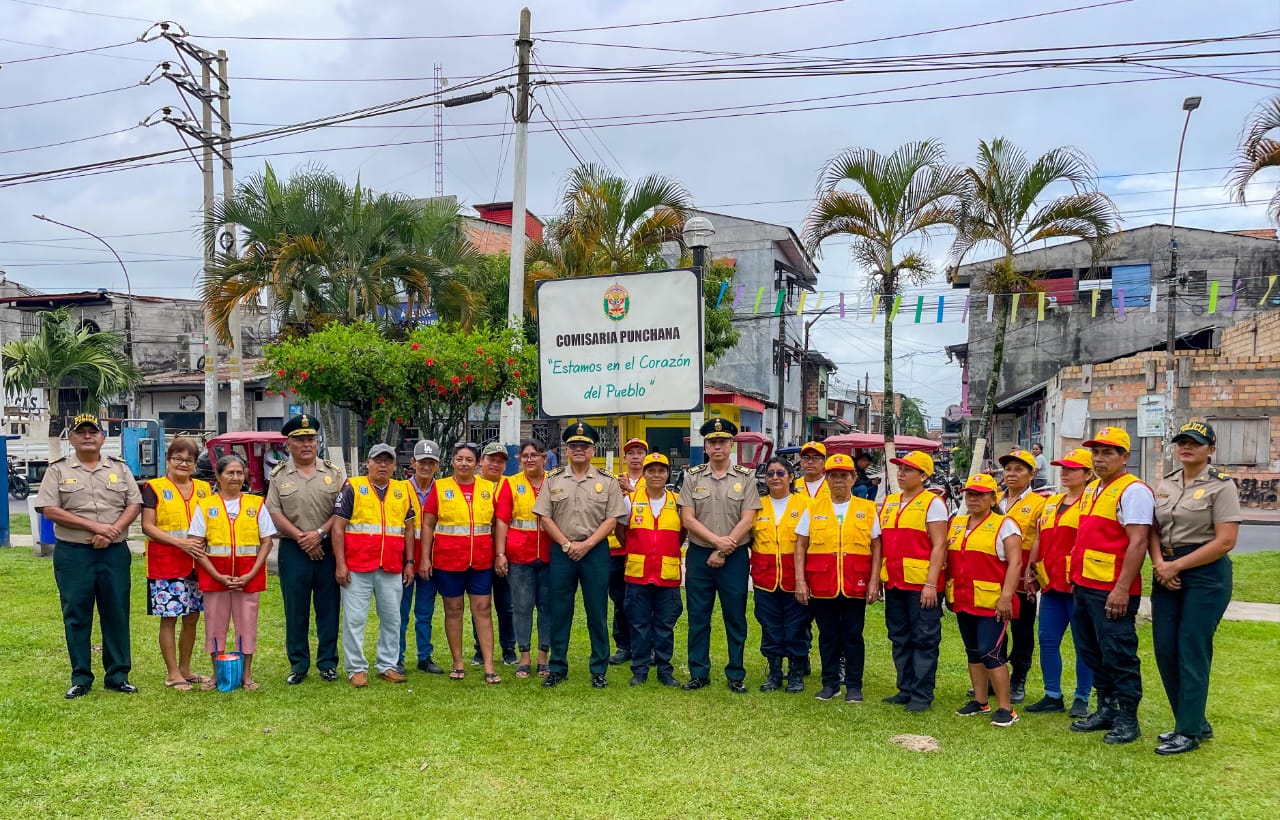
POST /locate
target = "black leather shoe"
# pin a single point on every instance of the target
(827, 693)
(917, 706)
(620, 657)
(599, 681)
(329, 675)
(737, 687)
(1178, 744)
(77, 690)
(1205, 734)
(772, 683)
(509, 657)
(1125, 730)
(125, 688)
(667, 680)
(1048, 704)
(696, 683)
(295, 678)
(552, 679)
(852, 694)
(1104, 718)
(795, 682)
(900, 699)
(430, 667)
(638, 680)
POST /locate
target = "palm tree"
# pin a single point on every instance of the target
(62, 355)
(901, 196)
(1000, 206)
(1258, 150)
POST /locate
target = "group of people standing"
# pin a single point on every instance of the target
(811, 550)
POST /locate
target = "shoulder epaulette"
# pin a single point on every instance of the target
(278, 467)
(555, 471)
(330, 465)
(1214, 472)
(58, 460)
(607, 474)
(742, 469)
(1172, 473)
(701, 468)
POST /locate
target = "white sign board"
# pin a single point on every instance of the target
(622, 344)
(1151, 417)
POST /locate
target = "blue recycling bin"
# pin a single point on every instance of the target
(46, 531)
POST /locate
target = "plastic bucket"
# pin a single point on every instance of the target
(228, 670)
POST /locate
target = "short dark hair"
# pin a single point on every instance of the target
(183, 444)
(531, 442)
(225, 462)
(781, 462)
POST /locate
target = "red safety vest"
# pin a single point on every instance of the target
(1102, 541)
(374, 537)
(838, 561)
(615, 546)
(173, 515)
(232, 546)
(653, 542)
(526, 541)
(773, 545)
(906, 545)
(463, 533)
(1059, 524)
(975, 570)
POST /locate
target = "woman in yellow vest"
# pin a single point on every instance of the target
(1023, 505)
(773, 578)
(234, 531)
(984, 565)
(172, 589)
(837, 544)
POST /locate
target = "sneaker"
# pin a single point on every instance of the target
(509, 657)
(974, 708)
(329, 674)
(477, 659)
(900, 699)
(1018, 691)
(1079, 708)
(917, 706)
(1047, 704)
(1004, 718)
(599, 681)
(638, 680)
(853, 694)
(827, 693)
(430, 667)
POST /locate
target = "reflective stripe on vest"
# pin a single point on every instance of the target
(1101, 540)
(773, 544)
(838, 561)
(653, 542)
(526, 542)
(173, 517)
(229, 541)
(529, 526)
(975, 570)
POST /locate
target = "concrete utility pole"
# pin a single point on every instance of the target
(782, 371)
(210, 332)
(237, 421)
(509, 415)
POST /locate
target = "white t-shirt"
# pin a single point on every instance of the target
(802, 528)
(779, 506)
(1008, 527)
(1137, 504)
(814, 486)
(937, 510)
(266, 527)
(1007, 502)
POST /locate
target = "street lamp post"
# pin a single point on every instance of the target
(1171, 324)
(804, 386)
(697, 234)
(128, 307)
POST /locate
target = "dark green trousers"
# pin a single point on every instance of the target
(701, 586)
(304, 582)
(1182, 625)
(592, 572)
(85, 577)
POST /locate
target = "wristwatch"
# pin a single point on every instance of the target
(565, 546)
(320, 532)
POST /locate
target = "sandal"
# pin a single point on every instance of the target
(196, 677)
(208, 686)
(251, 686)
(544, 670)
(492, 678)
(458, 674)
(178, 685)
(522, 671)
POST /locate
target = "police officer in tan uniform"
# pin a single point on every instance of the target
(300, 501)
(718, 505)
(578, 507)
(1198, 520)
(91, 500)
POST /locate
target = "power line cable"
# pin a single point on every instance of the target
(70, 141)
(68, 99)
(80, 11)
(62, 52)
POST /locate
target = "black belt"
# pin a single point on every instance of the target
(1179, 551)
(704, 547)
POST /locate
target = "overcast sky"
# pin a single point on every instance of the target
(758, 166)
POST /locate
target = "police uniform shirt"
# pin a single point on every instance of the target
(98, 495)
(578, 505)
(1187, 515)
(306, 501)
(718, 502)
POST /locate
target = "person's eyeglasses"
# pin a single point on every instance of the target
(777, 473)
(532, 455)
(182, 460)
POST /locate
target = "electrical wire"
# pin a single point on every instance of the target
(68, 99)
(62, 52)
(70, 141)
(80, 11)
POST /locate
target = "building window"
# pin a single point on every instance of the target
(30, 324)
(1242, 442)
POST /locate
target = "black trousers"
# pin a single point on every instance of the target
(1182, 625)
(915, 634)
(1023, 632)
(1110, 648)
(87, 577)
(782, 624)
(840, 621)
(592, 572)
(618, 595)
(702, 585)
(303, 584)
(653, 611)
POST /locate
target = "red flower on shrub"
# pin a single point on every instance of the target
(470, 378)
(455, 380)
(414, 346)
(280, 373)
(430, 361)
(303, 375)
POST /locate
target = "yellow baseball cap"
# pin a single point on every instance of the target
(1080, 459)
(816, 446)
(917, 460)
(1024, 456)
(635, 442)
(1110, 437)
(657, 458)
(839, 461)
(980, 483)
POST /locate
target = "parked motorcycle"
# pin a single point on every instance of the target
(19, 487)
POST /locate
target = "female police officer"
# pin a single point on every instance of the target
(1198, 518)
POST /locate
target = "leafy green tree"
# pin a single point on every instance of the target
(427, 380)
(63, 355)
(1003, 203)
(899, 198)
(913, 420)
(1259, 149)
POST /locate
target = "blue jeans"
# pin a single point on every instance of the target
(530, 590)
(1057, 612)
(425, 593)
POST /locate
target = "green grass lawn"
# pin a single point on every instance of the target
(435, 747)
(19, 525)
(1256, 577)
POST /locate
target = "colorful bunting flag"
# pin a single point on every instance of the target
(1271, 283)
(841, 305)
(1213, 297)
(919, 308)
(1093, 308)
(800, 309)
(1043, 297)
(759, 296)
(939, 310)
(723, 287)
